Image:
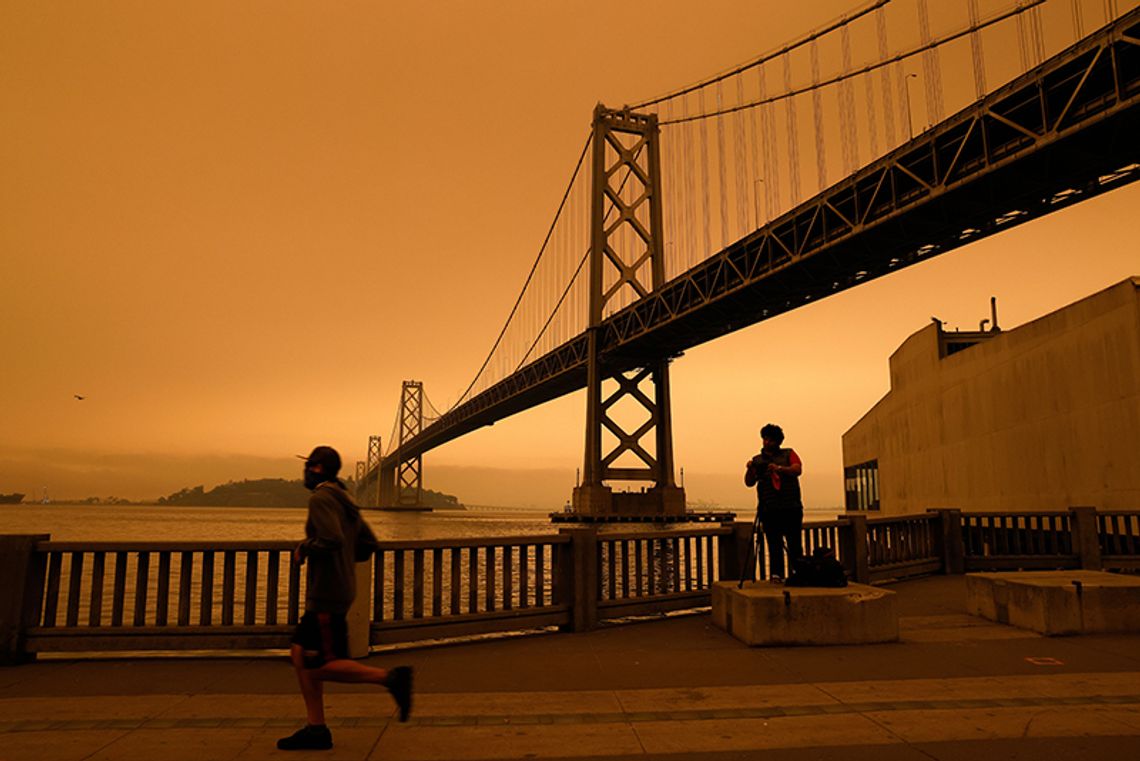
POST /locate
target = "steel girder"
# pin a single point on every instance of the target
(1063, 132)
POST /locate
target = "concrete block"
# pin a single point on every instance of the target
(1057, 602)
(771, 614)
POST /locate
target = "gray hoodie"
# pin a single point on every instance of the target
(331, 532)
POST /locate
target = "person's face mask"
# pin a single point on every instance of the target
(312, 478)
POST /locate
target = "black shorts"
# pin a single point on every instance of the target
(323, 637)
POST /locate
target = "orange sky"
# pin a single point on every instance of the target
(236, 227)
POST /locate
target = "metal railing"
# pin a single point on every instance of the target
(163, 595)
(455, 587)
(1001, 541)
(1118, 534)
(108, 596)
(901, 547)
(657, 571)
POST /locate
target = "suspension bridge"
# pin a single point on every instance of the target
(808, 170)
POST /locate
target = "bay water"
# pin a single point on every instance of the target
(161, 523)
(102, 523)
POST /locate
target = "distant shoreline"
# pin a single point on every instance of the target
(145, 503)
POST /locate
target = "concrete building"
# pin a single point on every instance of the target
(1041, 417)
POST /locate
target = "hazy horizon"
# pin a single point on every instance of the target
(536, 488)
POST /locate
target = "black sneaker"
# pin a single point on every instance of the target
(307, 738)
(400, 685)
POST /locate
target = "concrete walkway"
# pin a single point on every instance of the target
(955, 687)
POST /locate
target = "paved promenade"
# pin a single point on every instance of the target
(955, 687)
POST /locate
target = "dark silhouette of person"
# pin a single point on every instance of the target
(775, 473)
(320, 642)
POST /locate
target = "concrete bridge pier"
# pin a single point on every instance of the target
(601, 501)
(386, 488)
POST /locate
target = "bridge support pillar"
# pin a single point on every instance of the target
(601, 501)
(593, 500)
(408, 485)
(358, 482)
(371, 496)
(386, 487)
(626, 264)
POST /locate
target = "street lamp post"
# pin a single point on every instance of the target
(906, 96)
(756, 191)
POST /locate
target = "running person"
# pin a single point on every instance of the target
(320, 643)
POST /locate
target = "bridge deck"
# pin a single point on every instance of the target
(956, 687)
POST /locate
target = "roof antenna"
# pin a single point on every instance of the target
(993, 313)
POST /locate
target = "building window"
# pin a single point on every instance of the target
(862, 486)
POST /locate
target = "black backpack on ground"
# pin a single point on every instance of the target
(820, 569)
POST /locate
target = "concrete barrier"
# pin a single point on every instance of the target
(771, 614)
(1057, 602)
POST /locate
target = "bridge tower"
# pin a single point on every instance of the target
(626, 254)
(361, 474)
(409, 472)
(366, 496)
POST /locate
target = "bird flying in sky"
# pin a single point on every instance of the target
(80, 398)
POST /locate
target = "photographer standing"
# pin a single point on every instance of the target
(775, 473)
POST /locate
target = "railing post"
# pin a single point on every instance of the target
(854, 542)
(1086, 537)
(948, 536)
(733, 551)
(578, 571)
(21, 594)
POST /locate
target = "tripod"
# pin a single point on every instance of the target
(750, 565)
(753, 548)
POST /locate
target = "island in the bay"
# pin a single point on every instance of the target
(274, 492)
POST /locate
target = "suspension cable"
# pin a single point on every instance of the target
(554, 312)
(770, 163)
(977, 54)
(530, 275)
(392, 444)
(817, 120)
(885, 80)
(432, 407)
(788, 48)
(793, 137)
(791, 93)
(578, 270)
